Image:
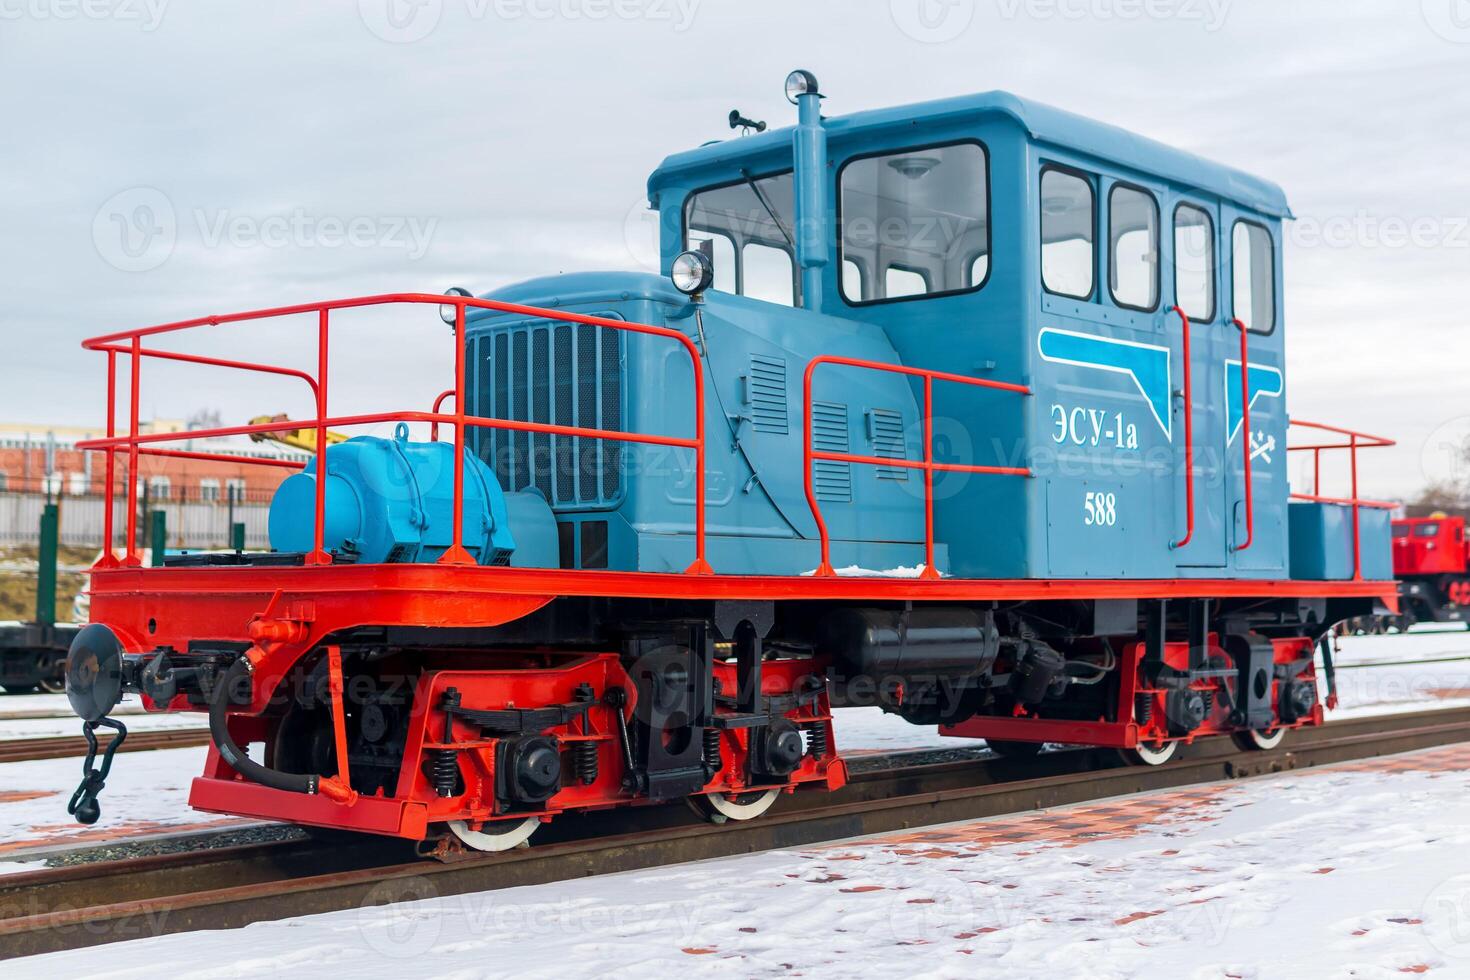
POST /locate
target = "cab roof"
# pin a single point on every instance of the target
(1042, 122)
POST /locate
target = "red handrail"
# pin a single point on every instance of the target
(1188, 437)
(1355, 441)
(130, 343)
(927, 465)
(1245, 436)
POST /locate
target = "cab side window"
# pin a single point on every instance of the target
(1133, 248)
(1253, 256)
(1194, 262)
(1068, 220)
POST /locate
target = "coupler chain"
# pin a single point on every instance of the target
(84, 805)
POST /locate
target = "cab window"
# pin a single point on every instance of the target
(1401, 530)
(916, 222)
(1426, 531)
(1133, 248)
(1068, 220)
(1194, 262)
(1254, 259)
(749, 228)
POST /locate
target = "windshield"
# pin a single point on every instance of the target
(748, 228)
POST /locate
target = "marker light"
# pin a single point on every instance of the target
(449, 312)
(692, 273)
(799, 83)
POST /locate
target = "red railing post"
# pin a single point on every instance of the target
(1245, 436)
(1357, 525)
(319, 555)
(109, 555)
(930, 569)
(1188, 437)
(456, 554)
(438, 405)
(700, 565)
(131, 559)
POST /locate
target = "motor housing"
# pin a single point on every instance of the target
(392, 500)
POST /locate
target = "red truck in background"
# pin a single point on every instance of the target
(1431, 560)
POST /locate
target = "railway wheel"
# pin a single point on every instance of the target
(1260, 741)
(720, 807)
(51, 674)
(1145, 754)
(515, 834)
(1013, 750)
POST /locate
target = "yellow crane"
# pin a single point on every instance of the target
(303, 438)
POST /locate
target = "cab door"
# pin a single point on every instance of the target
(1193, 246)
(1251, 293)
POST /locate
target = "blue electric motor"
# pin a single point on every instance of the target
(391, 500)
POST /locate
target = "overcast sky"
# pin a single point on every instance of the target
(162, 159)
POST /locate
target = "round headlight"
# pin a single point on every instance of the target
(449, 312)
(799, 83)
(692, 273)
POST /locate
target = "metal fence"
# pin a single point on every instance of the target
(190, 523)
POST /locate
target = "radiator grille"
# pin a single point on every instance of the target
(832, 481)
(561, 374)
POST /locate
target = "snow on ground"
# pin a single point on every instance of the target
(146, 793)
(1402, 672)
(1360, 871)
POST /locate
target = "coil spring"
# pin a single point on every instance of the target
(584, 762)
(1143, 708)
(712, 761)
(444, 771)
(816, 740)
(1208, 697)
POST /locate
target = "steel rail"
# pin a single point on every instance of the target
(53, 910)
(75, 746)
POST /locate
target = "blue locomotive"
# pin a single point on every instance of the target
(990, 403)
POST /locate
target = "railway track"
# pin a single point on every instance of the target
(99, 903)
(68, 746)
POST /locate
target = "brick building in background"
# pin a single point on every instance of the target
(44, 459)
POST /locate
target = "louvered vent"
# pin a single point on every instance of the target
(765, 394)
(885, 432)
(833, 481)
(562, 374)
